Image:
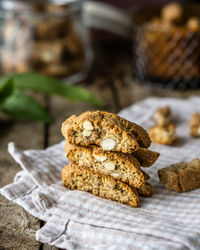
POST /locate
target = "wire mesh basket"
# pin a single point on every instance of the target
(167, 56)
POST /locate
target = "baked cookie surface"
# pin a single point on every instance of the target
(145, 190)
(103, 186)
(181, 177)
(164, 135)
(146, 157)
(140, 134)
(106, 130)
(146, 176)
(163, 116)
(124, 167)
(195, 125)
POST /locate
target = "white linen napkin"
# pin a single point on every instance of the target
(79, 220)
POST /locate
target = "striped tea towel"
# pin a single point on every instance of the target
(79, 220)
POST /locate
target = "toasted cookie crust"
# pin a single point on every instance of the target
(106, 130)
(124, 167)
(181, 177)
(145, 190)
(163, 116)
(140, 134)
(164, 135)
(195, 125)
(103, 186)
(146, 157)
(146, 176)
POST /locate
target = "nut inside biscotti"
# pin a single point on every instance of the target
(106, 130)
(139, 133)
(103, 186)
(105, 133)
(118, 165)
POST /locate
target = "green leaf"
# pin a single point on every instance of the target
(48, 85)
(6, 88)
(21, 106)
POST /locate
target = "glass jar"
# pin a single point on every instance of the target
(167, 54)
(46, 37)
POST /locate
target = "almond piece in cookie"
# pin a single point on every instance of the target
(140, 133)
(164, 135)
(108, 144)
(146, 157)
(163, 116)
(106, 130)
(84, 179)
(195, 125)
(124, 167)
(181, 177)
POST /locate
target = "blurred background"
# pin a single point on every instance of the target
(73, 39)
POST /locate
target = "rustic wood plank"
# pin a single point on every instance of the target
(131, 91)
(134, 92)
(17, 227)
(116, 65)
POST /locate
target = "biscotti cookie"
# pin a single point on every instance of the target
(124, 167)
(146, 157)
(140, 134)
(195, 125)
(145, 190)
(146, 176)
(181, 177)
(103, 186)
(106, 130)
(163, 116)
(164, 135)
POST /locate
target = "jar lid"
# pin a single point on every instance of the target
(107, 17)
(9, 4)
(38, 7)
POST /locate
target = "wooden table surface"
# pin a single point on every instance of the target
(111, 80)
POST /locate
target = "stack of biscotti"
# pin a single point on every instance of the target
(106, 154)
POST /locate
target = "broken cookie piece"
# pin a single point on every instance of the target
(146, 176)
(106, 130)
(164, 135)
(145, 190)
(103, 186)
(195, 125)
(146, 157)
(181, 177)
(163, 116)
(124, 167)
(172, 12)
